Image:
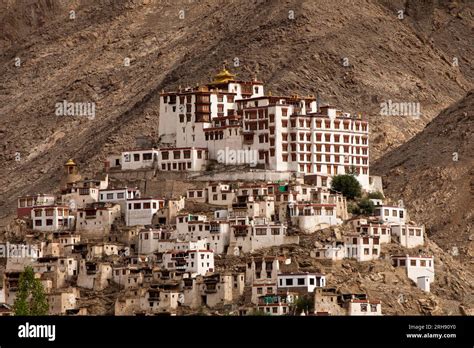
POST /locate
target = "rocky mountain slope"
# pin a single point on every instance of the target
(434, 175)
(293, 46)
(451, 293)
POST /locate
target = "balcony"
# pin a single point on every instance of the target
(240, 230)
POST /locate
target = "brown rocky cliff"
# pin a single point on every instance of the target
(434, 175)
(82, 60)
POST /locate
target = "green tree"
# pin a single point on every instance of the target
(366, 206)
(375, 195)
(347, 185)
(30, 298)
(353, 208)
(304, 303)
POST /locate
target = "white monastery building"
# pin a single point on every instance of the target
(281, 133)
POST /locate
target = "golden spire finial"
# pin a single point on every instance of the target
(223, 76)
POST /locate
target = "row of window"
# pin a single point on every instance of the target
(326, 158)
(414, 263)
(386, 212)
(138, 157)
(30, 202)
(363, 307)
(119, 195)
(49, 222)
(198, 194)
(311, 168)
(51, 212)
(328, 138)
(346, 149)
(412, 232)
(263, 231)
(366, 251)
(366, 240)
(140, 206)
(298, 282)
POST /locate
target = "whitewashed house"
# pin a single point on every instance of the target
(149, 240)
(140, 211)
(183, 159)
(257, 234)
(97, 219)
(139, 159)
(391, 214)
(362, 248)
(409, 236)
(119, 196)
(381, 230)
(304, 282)
(52, 218)
(196, 262)
(364, 307)
(220, 194)
(27, 203)
(420, 269)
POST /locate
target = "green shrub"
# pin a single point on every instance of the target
(348, 185)
(375, 195)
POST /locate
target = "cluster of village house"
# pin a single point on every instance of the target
(162, 258)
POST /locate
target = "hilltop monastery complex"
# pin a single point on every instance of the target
(167, 255)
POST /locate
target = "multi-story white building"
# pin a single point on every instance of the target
(257, 234)
(119, 196)
(409, 236)
(52, 218)
(420, 269)
(285, 133)
(97, 219)
(391, 214)
(305, 282)
(149, 239)
(362, 248)
(140, 211)
(220, 194)
(79, 197)
(310, 216)
(26, 203)
(139, 159)
(198, 227)
(189, 261)
(182, 159)
(381, 230)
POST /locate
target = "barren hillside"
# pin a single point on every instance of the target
(434, 174)
(294, 46)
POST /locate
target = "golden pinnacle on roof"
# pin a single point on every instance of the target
(224, 76)
(70, 162)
